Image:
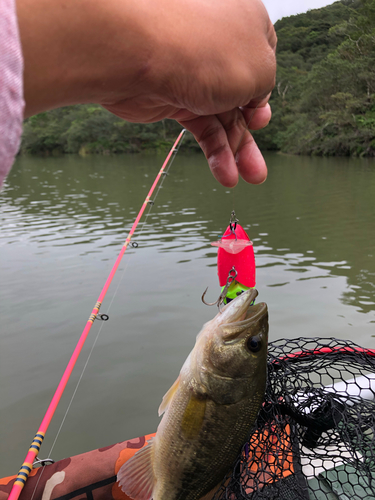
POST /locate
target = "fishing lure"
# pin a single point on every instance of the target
(235, 263)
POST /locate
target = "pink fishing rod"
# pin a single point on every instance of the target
(27, 466)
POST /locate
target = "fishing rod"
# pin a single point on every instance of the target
(27, 466)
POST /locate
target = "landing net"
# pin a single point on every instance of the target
(314, 437)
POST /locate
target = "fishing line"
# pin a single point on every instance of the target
(160, 185)
(37, 442)
(27, 465)
(80, 378)
(131, 256)
(151, 203)
(68, 407)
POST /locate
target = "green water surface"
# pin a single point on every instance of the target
(63, 222)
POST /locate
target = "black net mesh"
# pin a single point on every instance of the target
(314, 437)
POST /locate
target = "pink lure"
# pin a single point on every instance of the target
(238, 253)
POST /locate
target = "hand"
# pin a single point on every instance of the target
(220, 65)
(205, 63)
(229, 146)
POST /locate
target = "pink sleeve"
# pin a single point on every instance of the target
(11, 87)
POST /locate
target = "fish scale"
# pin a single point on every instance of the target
(208, 460)
(209, 410)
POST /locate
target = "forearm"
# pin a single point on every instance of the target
(205, 63)
(73, 50)
(203, 56)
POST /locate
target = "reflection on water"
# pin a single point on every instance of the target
(311, 213)
(63, 222)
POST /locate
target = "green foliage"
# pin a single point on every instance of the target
(90, 128)
(323, 102)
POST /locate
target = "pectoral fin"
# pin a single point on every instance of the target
(136, 477)
(192, 420)
(168, 397)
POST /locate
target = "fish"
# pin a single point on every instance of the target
(209, 410)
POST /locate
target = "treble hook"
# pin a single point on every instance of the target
(232, 275)
(208, 303)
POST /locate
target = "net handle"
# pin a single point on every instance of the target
(297, 356)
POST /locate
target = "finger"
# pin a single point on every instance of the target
(258, 102)
(257, 113)
(257, 117)
(249, 160)
(213, 139)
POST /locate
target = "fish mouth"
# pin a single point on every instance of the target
(243, 315)
(237, 309)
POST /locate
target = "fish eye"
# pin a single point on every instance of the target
(254, 344)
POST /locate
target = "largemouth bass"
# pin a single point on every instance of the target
(208, 411)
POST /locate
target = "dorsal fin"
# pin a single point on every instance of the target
(136, 477)
(168, 397)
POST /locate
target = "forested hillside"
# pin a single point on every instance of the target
(323, 103)
(324, 100)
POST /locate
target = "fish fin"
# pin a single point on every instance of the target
(136, 477)
(168, 397)
(193, 418)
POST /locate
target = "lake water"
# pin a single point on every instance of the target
(63, 222)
